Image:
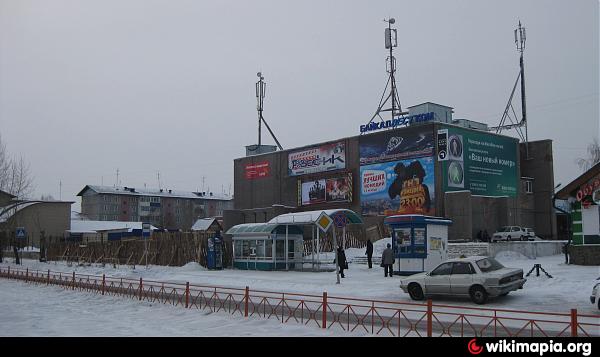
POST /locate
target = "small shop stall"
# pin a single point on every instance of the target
(263, 246)
(419, 242)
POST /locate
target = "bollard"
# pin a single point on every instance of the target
(73, 280)
(246, 297)
(103, 283)
(141, 289)
(48, 278)
(324, 322)
(429, 317)
(187, 294)
(574, 324)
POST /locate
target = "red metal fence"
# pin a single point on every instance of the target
(329, 312)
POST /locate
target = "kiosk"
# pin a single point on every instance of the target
(214, 252)
(419, 242)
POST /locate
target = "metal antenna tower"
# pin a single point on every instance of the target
(261, 87)
(520, 43)
(391, 41)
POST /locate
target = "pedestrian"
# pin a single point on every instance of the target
(388, 260)
(486, 236)
(369, 253)
(479, 236)
(342, 263)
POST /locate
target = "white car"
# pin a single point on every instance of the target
(477, 277)
(595, 297)
(509, 233)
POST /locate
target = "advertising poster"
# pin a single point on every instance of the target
(398, 187)
(396, 145)
(318, 159)
(258, 170)
(337, 189)
(483, 163)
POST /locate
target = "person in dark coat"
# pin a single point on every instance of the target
(369, 253)
(486, 236)
(480, 236)
(341, 258)
(388, 260)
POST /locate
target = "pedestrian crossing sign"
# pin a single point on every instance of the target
(20, 232)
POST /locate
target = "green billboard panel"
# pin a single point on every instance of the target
(482, 163)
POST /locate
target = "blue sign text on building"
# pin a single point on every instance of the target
(417, 118)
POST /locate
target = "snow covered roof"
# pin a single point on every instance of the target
(203, 224)
(78, 226)
(133, 191)
(310, 217)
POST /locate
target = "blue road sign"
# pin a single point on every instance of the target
(20, 232)
(340, 220)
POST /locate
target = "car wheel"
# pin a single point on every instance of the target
(415, 291)
(508, 239)
(478, 295)
(522, 238)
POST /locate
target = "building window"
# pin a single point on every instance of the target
(528, 186)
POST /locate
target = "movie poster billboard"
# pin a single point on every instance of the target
(398, 187)
(336, 189)
(482, 163)
(317, 159)
(394, 145)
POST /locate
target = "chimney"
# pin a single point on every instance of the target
(169, 191)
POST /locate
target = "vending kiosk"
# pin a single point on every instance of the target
(214, 252)
(419, 242)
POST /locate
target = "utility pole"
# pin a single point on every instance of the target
(520, 43)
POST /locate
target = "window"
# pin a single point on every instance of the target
(462, 268)
(279, 249)
(444, 269)
(403, 239)
(528, 186)
(489, 264)
(419, 245)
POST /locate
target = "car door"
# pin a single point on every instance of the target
(461, 278)
(438, 280)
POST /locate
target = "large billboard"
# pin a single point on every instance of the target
(318, 159)
(482, 163)
(396, 145)
(398, 187)
(335, 189)
(258, 170)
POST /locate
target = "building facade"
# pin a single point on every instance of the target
(166, 209)
(480, 180)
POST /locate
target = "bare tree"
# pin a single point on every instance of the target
(593, 156)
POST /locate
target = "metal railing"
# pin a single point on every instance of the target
(377, 317)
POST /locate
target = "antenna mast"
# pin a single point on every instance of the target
(391, 41)
(520, 38)
(261, 87)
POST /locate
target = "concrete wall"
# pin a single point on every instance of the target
(584, 254)
(531, 250)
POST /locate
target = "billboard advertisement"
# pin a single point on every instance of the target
(481, 163)
(336, 189)
(396, 145)
(258, 170)
(398, 187)
(318, 159)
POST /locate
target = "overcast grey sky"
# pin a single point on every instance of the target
(89, 87)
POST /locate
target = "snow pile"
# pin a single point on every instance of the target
(508, 256)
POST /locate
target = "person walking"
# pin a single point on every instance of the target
(341, 258)
(369, 253)
(388, 260)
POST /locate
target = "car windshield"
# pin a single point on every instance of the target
(489, 264)
(504, 229)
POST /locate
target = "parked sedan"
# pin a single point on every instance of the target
(509, 233)
(476, 277)
(595, 297)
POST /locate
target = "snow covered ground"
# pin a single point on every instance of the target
(30, 310)
(569, 288)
